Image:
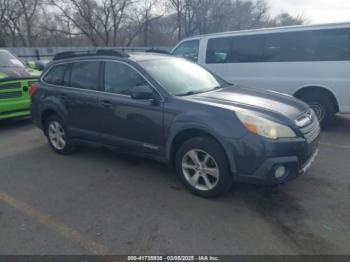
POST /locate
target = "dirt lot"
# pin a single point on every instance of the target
(97, 201)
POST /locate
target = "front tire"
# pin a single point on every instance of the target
(57, 136)
(202, 165)
(323, 107)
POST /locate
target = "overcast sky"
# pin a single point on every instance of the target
(317, 11)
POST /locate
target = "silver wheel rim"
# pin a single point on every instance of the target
(56, 135)
(200, 170)
(319, 110)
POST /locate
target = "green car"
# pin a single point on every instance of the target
(15, 80)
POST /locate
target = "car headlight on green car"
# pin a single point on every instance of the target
(264, 127)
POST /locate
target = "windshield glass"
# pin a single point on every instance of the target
(9, 60)
(181, 77)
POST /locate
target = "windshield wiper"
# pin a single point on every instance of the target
(189, 93)
(226, 85)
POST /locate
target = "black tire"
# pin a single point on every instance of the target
(322, 105)
(216, 152)
(68, 147)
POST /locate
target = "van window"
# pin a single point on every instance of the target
(84, 75)
(188, 49)
(120, 78)
(56, 75)
(320, 45)
(246, 49)
(238, 49)
(218, 50)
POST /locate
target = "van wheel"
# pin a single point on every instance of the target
(202, 166)
(57, 135)
(323, 107)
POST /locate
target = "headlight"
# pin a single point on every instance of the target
(265, 127)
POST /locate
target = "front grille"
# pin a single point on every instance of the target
(10, 95)
(10, 85)
(309, 126)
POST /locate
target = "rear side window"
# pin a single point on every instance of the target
(238, 49)
(321, 45)
(218, 50)
(85, 75)
(315, 45)
(188, 49)
(56, 75)
(121, 78)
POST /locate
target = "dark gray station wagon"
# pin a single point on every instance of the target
(166, 108)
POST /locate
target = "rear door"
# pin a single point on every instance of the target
(126, 122)
(76, 88)
(81, 99)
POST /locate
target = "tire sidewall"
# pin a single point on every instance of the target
(213, 148)
(327, 105)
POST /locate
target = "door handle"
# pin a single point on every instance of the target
(106, 104)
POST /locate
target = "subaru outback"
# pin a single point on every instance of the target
(157, 106)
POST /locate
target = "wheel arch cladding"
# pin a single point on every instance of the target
(184, 135)
(45, 115)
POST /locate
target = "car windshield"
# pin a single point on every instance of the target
(180, 77)
(9, 60)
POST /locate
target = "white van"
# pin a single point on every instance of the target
(308, 62)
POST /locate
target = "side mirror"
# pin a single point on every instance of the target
(141, 92)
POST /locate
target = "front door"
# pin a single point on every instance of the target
(126, 122)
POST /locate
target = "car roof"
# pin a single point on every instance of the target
(132, 56)
(274, 30)
(145, 56)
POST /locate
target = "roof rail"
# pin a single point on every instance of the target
(159, 51)
(101, 52)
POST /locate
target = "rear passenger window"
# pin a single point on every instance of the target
(238, 49)
(218, 50)
(85, 75)
(320, 45)
(120, 78)
(56, 75)
(246, 49)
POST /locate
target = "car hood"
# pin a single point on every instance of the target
(16, 72)
(254, 99)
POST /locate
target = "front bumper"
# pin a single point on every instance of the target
(256, 158)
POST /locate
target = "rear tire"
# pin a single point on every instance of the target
(202, 165)
(323, 107)
(57, 135)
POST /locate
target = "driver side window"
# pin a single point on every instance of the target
(121, 78)
(189, 50)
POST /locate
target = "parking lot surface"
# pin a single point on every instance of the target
(97, 201)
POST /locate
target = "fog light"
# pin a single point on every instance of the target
(280, 172)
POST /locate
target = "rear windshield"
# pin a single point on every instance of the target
(9, 60)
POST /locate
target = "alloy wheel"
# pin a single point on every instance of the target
(200, 170)
(57, 135)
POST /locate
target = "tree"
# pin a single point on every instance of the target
(128, 22)
(98, 21)
(286, 19)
